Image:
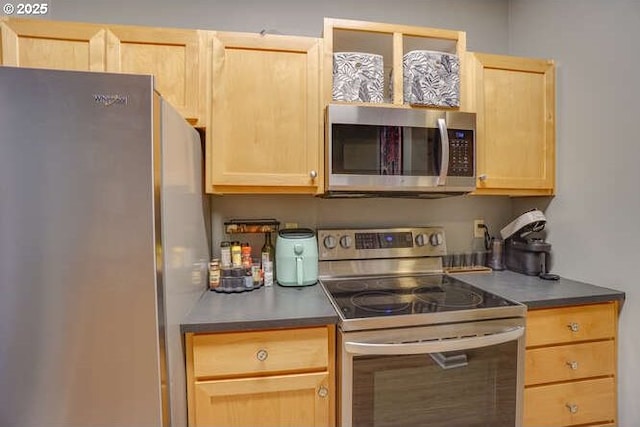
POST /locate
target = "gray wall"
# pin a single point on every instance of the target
(593, 221)
(485, 21)
(456, 214)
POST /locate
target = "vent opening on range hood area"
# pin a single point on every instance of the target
(389, 194)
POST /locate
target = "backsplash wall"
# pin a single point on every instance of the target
(455, 214)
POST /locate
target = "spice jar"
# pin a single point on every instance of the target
(245, 252)
(214, 273)
(267, 269)
(225, 254)
(236, 254)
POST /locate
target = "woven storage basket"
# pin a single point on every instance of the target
(431, 78)
(358, 77)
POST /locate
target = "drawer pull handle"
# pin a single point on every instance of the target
(262, 355)
(574, 327)
(323, 392)
(573, 365)
(572, 408)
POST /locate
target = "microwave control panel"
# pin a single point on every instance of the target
(461, 152)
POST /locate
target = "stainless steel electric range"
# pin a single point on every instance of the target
(416, 346)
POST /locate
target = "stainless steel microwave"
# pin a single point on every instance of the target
(386, 151)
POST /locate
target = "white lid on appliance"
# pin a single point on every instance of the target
(527, 223)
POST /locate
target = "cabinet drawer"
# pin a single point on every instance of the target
(573, 403)
(569, 362)
(570, 324)
(251, 353)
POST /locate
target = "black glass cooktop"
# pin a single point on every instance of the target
(408, 294)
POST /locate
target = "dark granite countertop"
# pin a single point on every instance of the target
(264, 308)
(289, 307)
(535, 292)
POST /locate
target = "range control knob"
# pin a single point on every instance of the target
(345, 242)
(330, 242)
(421, 239)
(436, 239)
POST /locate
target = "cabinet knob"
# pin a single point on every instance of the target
(262, 355)
(313, 174)
(572, 408)
(482, 177)
(573, 365)
(574, 327)
(323, 392)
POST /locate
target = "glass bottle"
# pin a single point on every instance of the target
(268, 252)
(245, 256)
(236, 254)
(225, 254)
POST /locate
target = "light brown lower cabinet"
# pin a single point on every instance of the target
(280, 400)
(570, 366)
(262, 378)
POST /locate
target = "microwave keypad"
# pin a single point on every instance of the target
(461, 157)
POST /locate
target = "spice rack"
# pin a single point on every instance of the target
(239, 273)
(236, 226)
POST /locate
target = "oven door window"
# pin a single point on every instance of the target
(385, 150)
(470, 388)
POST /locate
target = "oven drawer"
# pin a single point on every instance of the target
(579, 402)
(260, 352)
(571, 324)
(570, 362)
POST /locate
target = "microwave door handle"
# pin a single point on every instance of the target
(444, 143)
(363, 348)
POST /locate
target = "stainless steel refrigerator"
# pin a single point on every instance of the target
(103, 249)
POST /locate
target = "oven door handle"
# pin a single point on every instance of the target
(456, 344)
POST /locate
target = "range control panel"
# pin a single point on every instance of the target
(371, 243)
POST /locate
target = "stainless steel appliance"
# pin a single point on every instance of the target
(417, 347)
(377, 151)
(103, 250)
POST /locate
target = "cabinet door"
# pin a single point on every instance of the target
(264, 134)
(515, 105)
(56, 45)
(286, 400)
(172, 56)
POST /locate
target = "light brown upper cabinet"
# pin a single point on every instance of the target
(172, 56)
(49, 44)
(264, 133)
(392, 42)
(514, 99)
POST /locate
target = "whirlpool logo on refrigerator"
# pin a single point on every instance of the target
(108, 100)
